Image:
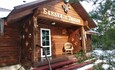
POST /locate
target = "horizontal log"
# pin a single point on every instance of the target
(9, 44)
(75, 66)
(56, 65)
(9, 49)
(10, 53)
(7, 62)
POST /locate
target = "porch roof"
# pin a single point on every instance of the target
(83, 14)
(23, 10)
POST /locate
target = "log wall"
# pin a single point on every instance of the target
(10, 45)
(74, 38)
(27, 47)
(89, 43)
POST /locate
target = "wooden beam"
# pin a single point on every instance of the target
(35, 34)
(86, 24)
(83, 39)
(36, 12)
(16, 16)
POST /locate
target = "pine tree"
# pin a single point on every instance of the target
(104, 15)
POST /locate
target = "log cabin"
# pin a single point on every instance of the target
(45, 24)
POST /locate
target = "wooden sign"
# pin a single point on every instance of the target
(59, 15)
(47, 13)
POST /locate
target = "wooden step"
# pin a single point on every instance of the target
(75, 66)
(56, 65)
(56, 62)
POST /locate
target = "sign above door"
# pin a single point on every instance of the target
(60, 11)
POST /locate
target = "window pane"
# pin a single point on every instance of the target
(47, 50)
(1, 26)
(43, 43)
(47, 38)
(47, 32)
(47, 43)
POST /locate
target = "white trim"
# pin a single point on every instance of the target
(49, 41)
(1, 26)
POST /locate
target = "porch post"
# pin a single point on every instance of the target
(86, 24)
(83, 39)
(35, 37)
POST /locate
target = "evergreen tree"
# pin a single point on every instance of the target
(104, 15)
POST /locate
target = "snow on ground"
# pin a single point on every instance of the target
(13, 67)
(107, 55)
(106, 66)
(3, 14)
(85, 67)
(90, 65)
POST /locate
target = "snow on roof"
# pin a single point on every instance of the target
(92, 32)
(4, 12)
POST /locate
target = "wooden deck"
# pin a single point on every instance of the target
(61, 63)
(62, 58)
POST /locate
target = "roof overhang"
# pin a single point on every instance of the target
(84, 15)
(26, 9)
(92, 32)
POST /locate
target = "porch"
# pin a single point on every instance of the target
(59, 33)
(65, 62)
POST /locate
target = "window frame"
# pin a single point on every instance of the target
(1, 26)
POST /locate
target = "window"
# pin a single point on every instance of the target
(1, 26)
(45, 37)
(45, 42)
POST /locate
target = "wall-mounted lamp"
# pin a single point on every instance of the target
(64, 31)
(66, 1)
(80, 38)
(53, 23)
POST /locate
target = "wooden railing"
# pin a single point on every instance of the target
(45, 52)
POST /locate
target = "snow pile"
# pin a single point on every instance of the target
(85, 67)
(90, 65)
(107, 66)
(107, 57)
(13, 67)
(103, 57)
(4, 14)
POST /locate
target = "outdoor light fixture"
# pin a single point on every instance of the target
(66, 1)
(80, 38)
(53, 23)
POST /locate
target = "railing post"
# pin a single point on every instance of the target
(83, 40)
(49, 64)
